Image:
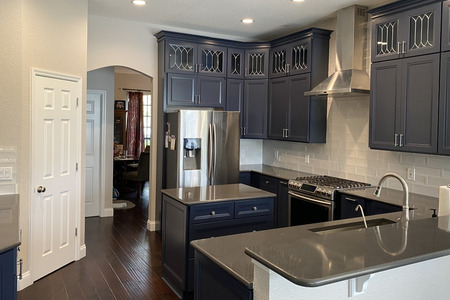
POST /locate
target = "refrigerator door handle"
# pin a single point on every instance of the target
(215, 150)
(210, 152)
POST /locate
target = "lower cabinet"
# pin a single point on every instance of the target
(8, 275)
(348, 206)
(182, 224)
(212, 282)
(276, 186)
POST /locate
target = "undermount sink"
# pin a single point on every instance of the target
(350, 226)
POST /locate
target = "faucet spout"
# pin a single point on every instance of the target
(362, 213)
(405, 191)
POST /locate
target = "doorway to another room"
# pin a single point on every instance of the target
(127, 135)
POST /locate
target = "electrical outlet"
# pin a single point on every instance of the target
(411, 174)
(6, 173)
(307, 158)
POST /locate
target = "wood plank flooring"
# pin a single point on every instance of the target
(123, 261)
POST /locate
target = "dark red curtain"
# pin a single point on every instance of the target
(135, 132)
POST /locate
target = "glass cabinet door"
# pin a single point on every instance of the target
(423, 31)
(181, 57)
(278, 62)
(411, 33)
(256, 62)
(211, 60)
(300, 57)
(235, 63)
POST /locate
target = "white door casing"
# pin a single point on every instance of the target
(56, 148)
(94, 129)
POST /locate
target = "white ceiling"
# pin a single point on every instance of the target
(273, 18)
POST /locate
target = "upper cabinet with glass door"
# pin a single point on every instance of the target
(188, 57)
(256, 63)
(405, 29)
(291, 59)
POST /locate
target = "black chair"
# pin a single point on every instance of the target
(141, 175)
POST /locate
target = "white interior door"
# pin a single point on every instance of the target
(55, 150)
(94, 103)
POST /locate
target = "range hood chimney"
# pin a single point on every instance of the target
(349, 79)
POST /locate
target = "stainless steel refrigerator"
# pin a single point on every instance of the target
(202, 148)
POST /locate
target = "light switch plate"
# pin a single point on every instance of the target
(411, 174)
(6, 173)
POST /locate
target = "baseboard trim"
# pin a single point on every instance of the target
(107, 212)
(82, 252)
(153, 225)
(25, 281)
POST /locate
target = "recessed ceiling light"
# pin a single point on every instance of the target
(139, 2)
(247, 21)
(298, 0)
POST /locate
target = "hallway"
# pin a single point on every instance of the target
(123, 261)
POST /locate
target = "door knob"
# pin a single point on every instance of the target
(41, 189)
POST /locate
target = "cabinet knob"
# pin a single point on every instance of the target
(267, 182)
(255, 208)
(213, 213)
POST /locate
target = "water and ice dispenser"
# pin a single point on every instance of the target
(192, 153)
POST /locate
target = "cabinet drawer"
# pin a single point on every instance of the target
(253, 208)
(267, 183)
(211, 212)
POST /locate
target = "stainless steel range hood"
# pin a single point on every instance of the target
(349, 79)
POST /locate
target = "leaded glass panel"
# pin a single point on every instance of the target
(235, 63)
(212, 61)
(300, 57)
(421, 30)
(181, 57)
(279, 62)
(387, 38)
(256, 64)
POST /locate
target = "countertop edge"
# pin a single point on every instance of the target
(224, 267)
(347, 275)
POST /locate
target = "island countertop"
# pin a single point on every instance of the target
(9, 222)
(215, 193)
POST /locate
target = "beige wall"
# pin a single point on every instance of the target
(45, 34)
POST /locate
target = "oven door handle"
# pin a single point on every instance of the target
(318, 201)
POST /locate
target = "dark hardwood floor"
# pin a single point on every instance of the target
(123, 261)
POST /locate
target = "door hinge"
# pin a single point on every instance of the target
(76, 166)
(76, 231)
(77, 101)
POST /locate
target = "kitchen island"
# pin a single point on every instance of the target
(328, 260)
(201, 212)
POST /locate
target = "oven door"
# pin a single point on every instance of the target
(307, 209)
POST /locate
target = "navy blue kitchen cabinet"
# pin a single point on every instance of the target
(213, 282)
(247, 87)
(347, 205)
(444, 106)
(445, 43)
(278, 187)
(405, 29)
(404, 104)
(8, 275)
(298, 62)
(182, 224)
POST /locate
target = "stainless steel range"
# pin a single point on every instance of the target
(311, 198)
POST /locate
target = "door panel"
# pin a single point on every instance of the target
(55, 152)
(386, 82)
(420, 103)
(278, 107)
(299, 110)
(92, 168)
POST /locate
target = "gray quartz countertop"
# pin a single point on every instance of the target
(280, 173)
(215, 193)
(325, 259)
(299, 254)
(9, 222)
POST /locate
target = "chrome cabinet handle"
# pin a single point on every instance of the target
(255, 208)
(398, 47)
(401, 140)
(199, 99)
(41, 189)
(395, 140)
(350, 199)
(404, 47)
(213, 213)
